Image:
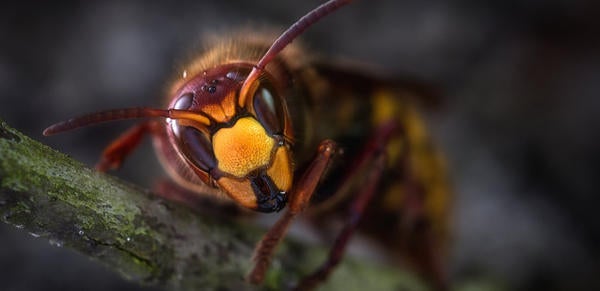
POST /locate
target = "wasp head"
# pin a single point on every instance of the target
(242, 147)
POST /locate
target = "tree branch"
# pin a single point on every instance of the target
(145, 238)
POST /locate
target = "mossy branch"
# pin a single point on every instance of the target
(145, 238)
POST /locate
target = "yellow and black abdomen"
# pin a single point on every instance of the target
(415, 164)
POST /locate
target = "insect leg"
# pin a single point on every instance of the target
(357, 209)
(374, 156)
(300, 197)
(114, 154)
(420, 242)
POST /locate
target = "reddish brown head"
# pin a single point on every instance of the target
(243, 148)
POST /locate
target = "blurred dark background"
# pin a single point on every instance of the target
(520, 123)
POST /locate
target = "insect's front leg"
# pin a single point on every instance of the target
(300, 198)
(357, 209)
(373, 159)
(418, 241)
(116, 152)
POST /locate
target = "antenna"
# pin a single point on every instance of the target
(121, 114)
(141, 112)
(286, 38)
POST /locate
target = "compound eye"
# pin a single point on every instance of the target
(184, 101)
(197, 148)
(268, 109)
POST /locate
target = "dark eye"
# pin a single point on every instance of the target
(197, 148)
(184, 101)
(268, 109)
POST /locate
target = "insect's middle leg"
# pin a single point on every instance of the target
(114, 154)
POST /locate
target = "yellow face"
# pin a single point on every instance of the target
(252, 161)
(244, 149)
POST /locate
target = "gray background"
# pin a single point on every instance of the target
(520, 124)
